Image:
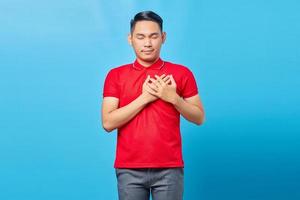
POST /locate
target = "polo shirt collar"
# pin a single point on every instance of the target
(157, 65)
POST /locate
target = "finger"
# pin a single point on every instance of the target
(159, 80)
(162, 76)
(168, 82)
(166, 78)
(148, 89)
(152, 80)
(147, 79)
(155, 82)
(173, 81)
(153, 87)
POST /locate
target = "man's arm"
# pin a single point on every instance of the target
(114, 117)
(190, 108)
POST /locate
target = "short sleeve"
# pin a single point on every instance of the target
(189, 85)
(111, 86)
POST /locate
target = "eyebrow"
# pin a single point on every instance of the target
(141, 34)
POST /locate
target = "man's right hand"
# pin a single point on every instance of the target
(149, 97)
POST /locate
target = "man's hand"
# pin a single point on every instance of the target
(147, 95)
(163, 88)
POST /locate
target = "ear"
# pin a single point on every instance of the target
(129, 39)
(164, 37)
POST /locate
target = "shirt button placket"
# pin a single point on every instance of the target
(146, 72)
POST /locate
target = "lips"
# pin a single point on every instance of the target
(148, 51)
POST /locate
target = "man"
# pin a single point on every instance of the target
(144, 100)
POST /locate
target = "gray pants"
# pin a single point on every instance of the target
(163, 183)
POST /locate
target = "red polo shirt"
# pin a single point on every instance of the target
(152, 138)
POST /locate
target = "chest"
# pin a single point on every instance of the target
(131, 85)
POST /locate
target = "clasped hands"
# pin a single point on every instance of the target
(163, 87)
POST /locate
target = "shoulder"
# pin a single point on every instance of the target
(120, 68)
(178, 68)
(116, 71)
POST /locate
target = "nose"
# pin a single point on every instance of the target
(148, 43)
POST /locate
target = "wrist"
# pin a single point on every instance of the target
(145, 98)
(175, 99)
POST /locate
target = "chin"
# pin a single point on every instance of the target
(149, 59)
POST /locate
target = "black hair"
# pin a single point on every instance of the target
(147, 16)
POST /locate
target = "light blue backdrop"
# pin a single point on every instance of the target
(54, 56)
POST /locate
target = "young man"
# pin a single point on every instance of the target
(144, 100)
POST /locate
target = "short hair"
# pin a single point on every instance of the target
(146, 16)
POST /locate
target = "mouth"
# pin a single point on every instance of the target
(147, 51)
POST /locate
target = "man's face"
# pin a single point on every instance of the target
(146, 40)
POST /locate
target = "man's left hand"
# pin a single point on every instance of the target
(164, 88)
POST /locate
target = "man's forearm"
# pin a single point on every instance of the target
(121, 116)
(189, 111)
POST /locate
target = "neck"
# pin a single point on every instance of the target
(146, 63)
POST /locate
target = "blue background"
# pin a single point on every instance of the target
(54, 56)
